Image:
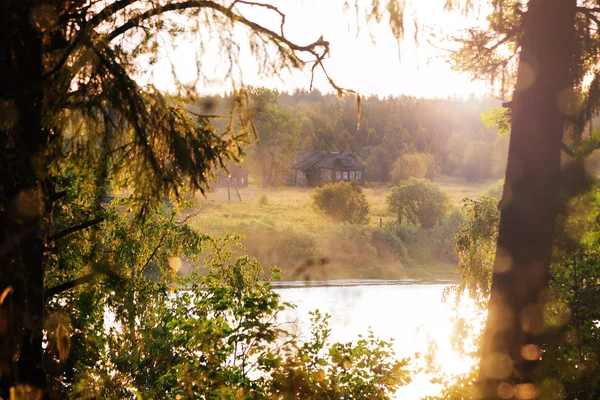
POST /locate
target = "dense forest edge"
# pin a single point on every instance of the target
(456, 143)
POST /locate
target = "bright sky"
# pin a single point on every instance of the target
(355, 62)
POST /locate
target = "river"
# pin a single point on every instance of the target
(411, 313)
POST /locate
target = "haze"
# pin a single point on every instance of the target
(368, 60)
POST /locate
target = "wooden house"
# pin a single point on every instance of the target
(315, 168)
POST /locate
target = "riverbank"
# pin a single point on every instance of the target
(360, 282)
(281, 228)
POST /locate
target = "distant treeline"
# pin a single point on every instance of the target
(451, 130)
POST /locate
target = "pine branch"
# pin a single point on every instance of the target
(164, 236)
(587, 9)
(71, 284)
(76, 228)
(109, 11)
(59, 195)
(589, 14)
(153, 254)
(61, 63)
(589, 106)
(100, 269)
(129, 98)
(87, 29)
(566, 150)
(133, 22)
(269, 6)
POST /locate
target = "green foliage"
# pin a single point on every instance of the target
(365, 369)
(342, 201)
(477, 161)
(489, 53)
(389, 127)
(210, 336)
(278, 135)
(570, 364)
(414, 165)
(457, 388)
(70, 101)
(499, 118)
(427, 247)
(418, 202)
(568, 367)
(495, 190)
(128, 257)
(475, 246)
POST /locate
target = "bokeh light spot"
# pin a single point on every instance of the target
(531, 352)
(525, 391)
(505, 390)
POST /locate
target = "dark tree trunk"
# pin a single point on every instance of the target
(25, 201)
(530, 203)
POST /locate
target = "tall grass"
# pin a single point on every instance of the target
(287, 232)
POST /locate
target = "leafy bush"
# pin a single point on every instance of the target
(496, 189)
(218, 336)
(293, 246)
(263, 200)
(414, 165)
(419, 202)
(342, 201)
(475, 245)
(426, 247)
(569, 365)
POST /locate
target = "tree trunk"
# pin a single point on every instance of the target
(25, 202)
(530, 203)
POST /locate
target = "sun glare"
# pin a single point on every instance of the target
(364, 57)
(421, 324)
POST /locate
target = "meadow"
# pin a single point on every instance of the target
(282, 229)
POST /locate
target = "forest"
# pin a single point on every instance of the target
(461, 133)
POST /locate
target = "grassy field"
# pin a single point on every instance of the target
(457, 189)
(288, 206)
(284, 229)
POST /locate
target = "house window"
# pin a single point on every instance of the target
(358, 175)
(351, 175)
(338, 175)
(345, 175)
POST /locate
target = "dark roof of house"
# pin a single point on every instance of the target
(323, 159)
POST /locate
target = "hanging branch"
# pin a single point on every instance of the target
(71, 284)
(76, 228)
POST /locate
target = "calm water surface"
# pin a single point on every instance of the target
(412, 314)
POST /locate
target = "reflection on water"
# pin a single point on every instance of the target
(411, 314)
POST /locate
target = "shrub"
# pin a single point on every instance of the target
(496, 189)
(218, 337)
(414, 165)
(263, 200)
(475, 245)
(419, 202)
(342, 201)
